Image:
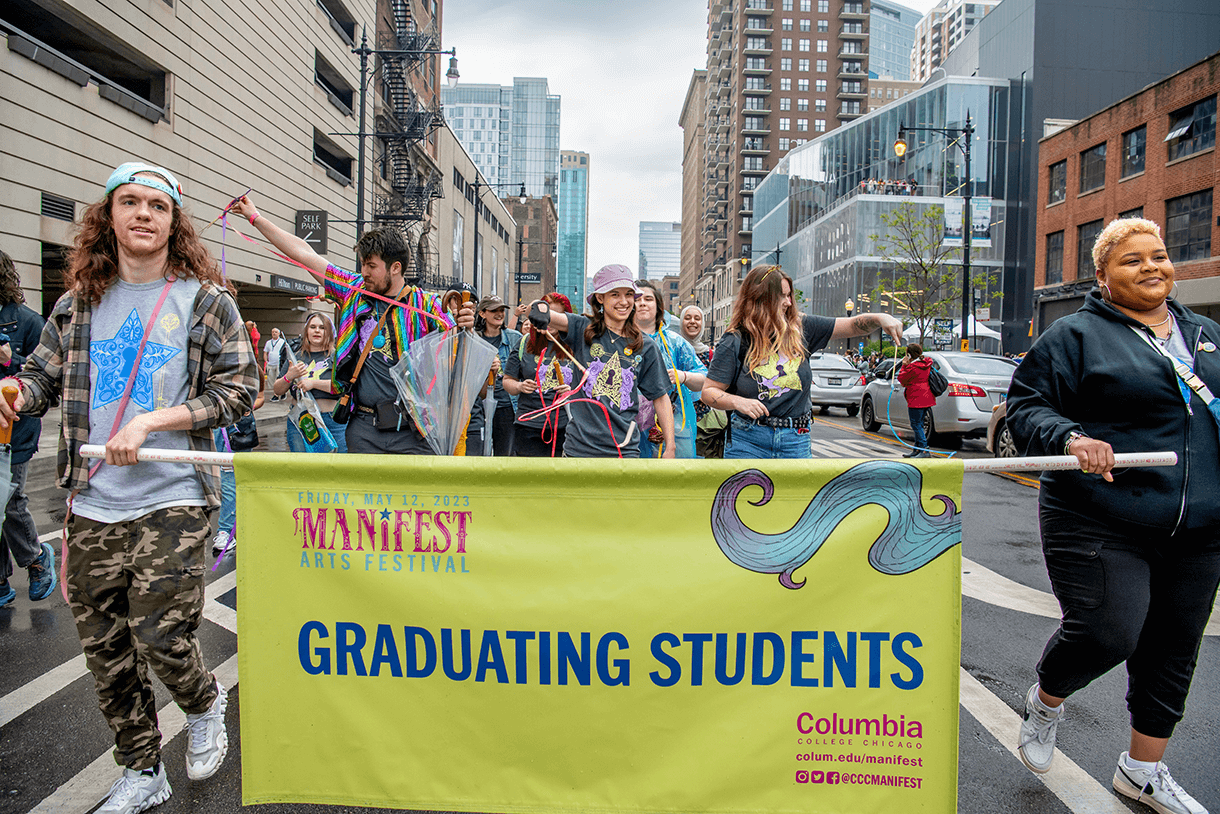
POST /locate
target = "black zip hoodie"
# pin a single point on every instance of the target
(1090, 373)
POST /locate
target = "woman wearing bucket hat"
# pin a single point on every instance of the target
(760, 370)
(620, 363)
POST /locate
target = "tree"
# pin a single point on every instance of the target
(922, 283)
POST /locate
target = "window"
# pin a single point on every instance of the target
(1058, 173)
(1137, 212)
(754, 123)
(1133, 151)
(819, 105)
(755, 103)
(819, 125)
(783, 144)
(787, 5)
(459, 236)
(785, 84)
(341, 19)
(806, 5)
(802, 104)
(756, 23)
(802, 124)
(755, 83)
(1093, 168)
(785, 104)
(823, 47)
(757, 63)
(823, 6)
(803, 65)
(821, 66)
(823, 27)
(749, 182)
(331, 156)
(1192, 129)
(785, 64)
(784, 124)
(819, 85)
(786, 25)
(757, 44)
(747, 223)
(1086, 236)
(753, 162)
(122, 74)
(805, 25)
(1054, 258)
(785, 44)
(804, 45)
(1188, 226)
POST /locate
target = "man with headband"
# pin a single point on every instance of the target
(145, 345)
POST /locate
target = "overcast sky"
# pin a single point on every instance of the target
(622, 68)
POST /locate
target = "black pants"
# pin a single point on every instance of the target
(501, 433)
(363, 437)
(528, 442)
(1132, 596)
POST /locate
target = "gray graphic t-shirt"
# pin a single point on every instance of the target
(116, 494)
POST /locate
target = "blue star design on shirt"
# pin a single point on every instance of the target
(114, 358)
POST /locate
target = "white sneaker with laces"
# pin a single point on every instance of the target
(1036, 744)
(207, 739)
(1155, 788)
(136, 791)
(220, 541)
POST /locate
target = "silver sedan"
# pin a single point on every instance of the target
(977, 383)
(835, 383)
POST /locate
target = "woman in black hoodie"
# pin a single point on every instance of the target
(1133, 556)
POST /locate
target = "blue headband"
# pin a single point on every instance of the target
(129, 174)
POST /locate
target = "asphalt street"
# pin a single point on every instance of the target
(54, 745)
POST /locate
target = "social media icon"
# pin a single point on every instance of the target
(832, 778)
(802, 777)
(817, 777)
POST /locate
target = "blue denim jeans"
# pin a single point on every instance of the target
(748, 440)
(916, 416)
(227, 519)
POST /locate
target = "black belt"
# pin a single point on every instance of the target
(791, 423)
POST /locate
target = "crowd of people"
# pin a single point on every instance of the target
(148, 345)
(887, 186)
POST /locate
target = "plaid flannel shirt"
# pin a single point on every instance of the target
(221, 366)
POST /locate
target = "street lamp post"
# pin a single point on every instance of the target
(964, 136)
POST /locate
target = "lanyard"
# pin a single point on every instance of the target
(1186, 376)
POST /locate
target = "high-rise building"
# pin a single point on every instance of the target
(890, 38)
(884, 89)
(512, 132)
(573, 224)
(691, 121)
(779, 73)
(940, 30)
(660, 249)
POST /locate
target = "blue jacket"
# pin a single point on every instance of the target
(23, 326)
(1090, 373)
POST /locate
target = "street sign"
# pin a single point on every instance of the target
(311, 227)
(528, 277)
(281, 283)
(965, 346)
(942, 333)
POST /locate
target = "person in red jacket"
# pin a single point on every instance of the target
(913, 376)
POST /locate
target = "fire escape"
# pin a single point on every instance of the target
(404, 123)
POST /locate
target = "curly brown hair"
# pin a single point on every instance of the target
(10, 281)
(93, 261)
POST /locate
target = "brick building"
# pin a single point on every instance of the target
(1150, 155)
(537, 240)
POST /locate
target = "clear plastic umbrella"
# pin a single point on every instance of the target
(438, 379)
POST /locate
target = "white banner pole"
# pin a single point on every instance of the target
(1048, 462)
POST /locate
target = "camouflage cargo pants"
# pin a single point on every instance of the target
(136, 592)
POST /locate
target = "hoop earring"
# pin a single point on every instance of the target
(1173, 294)
(1105, 294)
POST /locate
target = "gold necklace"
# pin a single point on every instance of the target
(1162, 322)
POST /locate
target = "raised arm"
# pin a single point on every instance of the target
(287, 244)
(862, 324)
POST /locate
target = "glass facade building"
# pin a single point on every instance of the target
(573, 225)
(890, 38)
(660, 249)
(818, 210)
(512, 133)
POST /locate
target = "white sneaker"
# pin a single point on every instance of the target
(220, 542)
(1036, 745)
(136, 791)
(1154, 788)
(208, 741)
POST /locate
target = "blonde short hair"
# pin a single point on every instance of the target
(1116, 232)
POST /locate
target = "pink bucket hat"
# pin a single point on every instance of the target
(611, 277)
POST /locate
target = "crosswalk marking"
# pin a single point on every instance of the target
(24, 698)
(825, 448)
